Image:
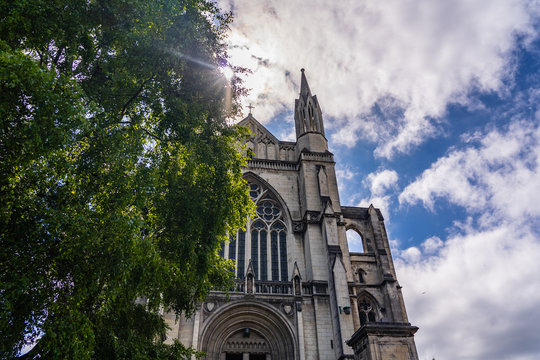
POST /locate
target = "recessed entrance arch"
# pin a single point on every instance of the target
(251, 329)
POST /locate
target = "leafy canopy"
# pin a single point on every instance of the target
(119, 177)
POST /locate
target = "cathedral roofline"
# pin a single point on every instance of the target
(250, 118)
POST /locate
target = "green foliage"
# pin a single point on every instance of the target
(119, 176)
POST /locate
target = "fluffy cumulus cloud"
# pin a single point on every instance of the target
(475, 295)
(478, 297)
(500, 175)
(383, 70)
(382, 185)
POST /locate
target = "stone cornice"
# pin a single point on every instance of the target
(382, 329)
(272, 164)
(316, 156)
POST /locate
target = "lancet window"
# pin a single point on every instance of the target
(264, 242)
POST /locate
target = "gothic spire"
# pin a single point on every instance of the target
(308, 115)
(304, 87)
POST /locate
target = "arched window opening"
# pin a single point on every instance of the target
(303, 118)
(241, 253)
(232, 248)
(257, 229)
(366, 311)
(355, 241)
(264, 254)
(311, 117)
(279, 257)
(361, 278)
(283, 256)
(265, 242)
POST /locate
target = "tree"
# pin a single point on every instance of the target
(119, 176)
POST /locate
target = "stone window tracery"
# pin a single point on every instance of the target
(366, 310)
(265, 242)
(254, 191)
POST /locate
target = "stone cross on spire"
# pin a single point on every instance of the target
(250, 107)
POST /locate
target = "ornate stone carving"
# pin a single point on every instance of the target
(209, 306)
(287, 308)
(299, 226)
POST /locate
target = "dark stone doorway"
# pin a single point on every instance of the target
(257, 357)
(234, 356)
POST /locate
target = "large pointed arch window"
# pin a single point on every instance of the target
(264, 242)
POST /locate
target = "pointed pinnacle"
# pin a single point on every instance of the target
(304, 87)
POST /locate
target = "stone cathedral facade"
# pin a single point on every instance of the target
(300, 293)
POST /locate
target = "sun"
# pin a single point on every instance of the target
(228, 72)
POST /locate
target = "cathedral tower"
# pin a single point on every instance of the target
(300, 294)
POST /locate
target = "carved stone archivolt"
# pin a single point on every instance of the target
(252, 326)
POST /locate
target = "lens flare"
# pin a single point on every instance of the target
(228, 72)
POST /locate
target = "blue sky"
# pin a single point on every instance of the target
(432, 111)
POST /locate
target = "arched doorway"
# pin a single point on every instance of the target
(248, 330)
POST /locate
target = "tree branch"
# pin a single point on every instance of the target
(151, 135)
(133, 97)
(143, 129)
(57, 57)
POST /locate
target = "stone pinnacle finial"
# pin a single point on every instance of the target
(304, 87)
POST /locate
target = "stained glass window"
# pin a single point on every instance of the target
(283, 256)
(279, 272)
(265, 241)
(264, 261)
(255, 252)
(275, 255)
(232, 248)
(221, 250)
(241, 253)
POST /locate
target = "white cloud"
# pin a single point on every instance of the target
(499, 178)
(477, 299)
(382, 185)
(381, 181)
(411, 254)
(344, 173)
(475, 295)
(432, 244)
(383, 71)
